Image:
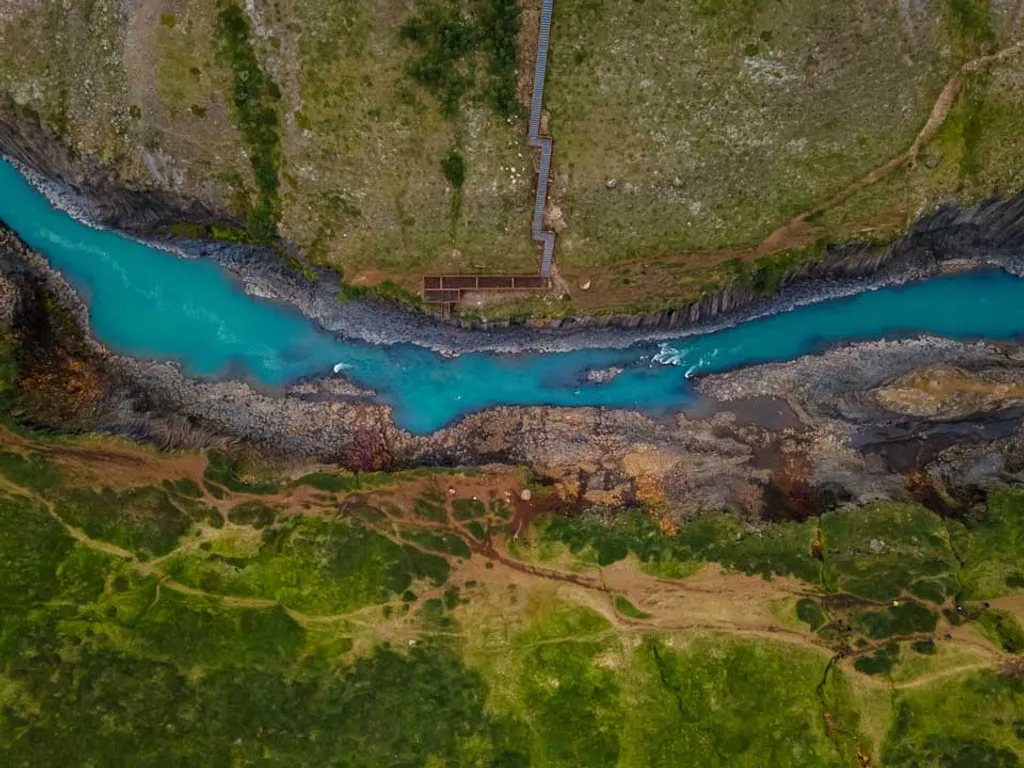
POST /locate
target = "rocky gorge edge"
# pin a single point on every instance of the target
(989, 233)
(836, 440)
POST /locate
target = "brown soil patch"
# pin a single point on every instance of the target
(526, 56)
(944, 389)
(109, 461)
(1013, 604)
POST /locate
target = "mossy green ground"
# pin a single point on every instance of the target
(712, 536)
(333, 637)
(660, 702)
(880, 551)
(992, 551)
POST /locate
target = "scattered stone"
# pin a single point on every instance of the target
(585, 285)
(876, 546)
(611, 183)
(601, 375)
(8, 298)
(932, 160)
(451, 491)
(526, 495)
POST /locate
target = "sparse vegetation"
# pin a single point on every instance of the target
(255, 98)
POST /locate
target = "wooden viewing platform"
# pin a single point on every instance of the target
(447, 290)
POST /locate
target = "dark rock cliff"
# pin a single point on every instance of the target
(110, 200)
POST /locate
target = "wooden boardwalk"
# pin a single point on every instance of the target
(447, 290)
(543, 143)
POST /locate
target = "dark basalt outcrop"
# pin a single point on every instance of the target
(110, 200)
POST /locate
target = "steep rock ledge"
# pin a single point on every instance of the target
(951, 238)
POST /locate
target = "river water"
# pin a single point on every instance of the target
(147, 303)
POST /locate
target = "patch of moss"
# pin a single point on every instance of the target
(445, 543)
(254, 513)
(468, 509)
(142, 520)
(973, 721)
(316, 566)
(255, 99)
(1002, 628)
(710, 537)
(811, 613)
(992, 550)
(880, 550)
(626, 608)
(880, 662)
(906, 618)
(225, 471)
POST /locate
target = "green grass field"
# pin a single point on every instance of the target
(275, 622)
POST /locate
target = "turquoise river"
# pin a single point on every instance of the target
(150, 304)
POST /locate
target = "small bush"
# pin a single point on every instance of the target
(810, 612)
(880, 662)
(454, 168)
(1002, 628)
(924, 647)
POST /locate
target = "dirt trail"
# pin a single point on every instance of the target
(943, 673)
(794, 232)
(879, 683)
(712, 600)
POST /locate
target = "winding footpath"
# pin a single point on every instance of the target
(543, 143)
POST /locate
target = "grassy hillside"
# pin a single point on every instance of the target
(388, 138)
(180, 608)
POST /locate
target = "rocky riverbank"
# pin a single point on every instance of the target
(854, 423)
(847, 431)
(989, 234)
